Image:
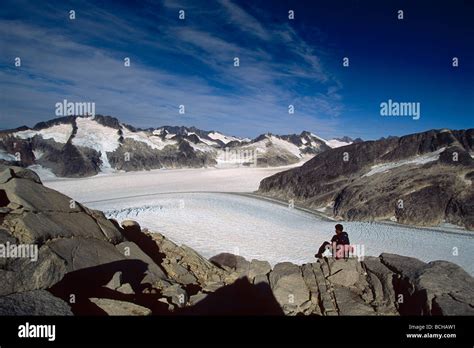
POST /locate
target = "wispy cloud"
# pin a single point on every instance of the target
(243, 20)
(173, 62)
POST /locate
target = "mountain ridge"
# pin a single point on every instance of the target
(76, 146)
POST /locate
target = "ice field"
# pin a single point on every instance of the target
(219, 222)
(195, 207)
(117, 185)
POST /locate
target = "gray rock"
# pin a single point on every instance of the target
(8, 172)
(197, 298)
(177, 294)
(130, 250)
(198, 269)
(109, 230)
(41, 227)
(447, 287)
(24, 274)
(35, 197)
(261, 279)
(258, 267)
(132, 224)
(289, 288)
(312, 285)
(405, 266)
(126, 289)
(213, 286)
(344, 272)
(82, 253)
(234, 262)
(350, 303)
(36, 302)
(115, 282)
(281, 270)
(5, 174)
(446, 304)
(120, 308)
(381, 280)
(180, 274)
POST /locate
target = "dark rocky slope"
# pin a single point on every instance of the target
(88, 264)
(346, 182)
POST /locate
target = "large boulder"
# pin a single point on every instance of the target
(36, 302)
(37, 198)
(258, 268)
(8, 172)
(447, 287)
(185, 265)
(381, 282)
(403, 265)
(231, 262)
(80, 253)
(24, 274)
(289, 288)
(344, 272)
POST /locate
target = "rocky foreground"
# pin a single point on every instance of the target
(89, 265)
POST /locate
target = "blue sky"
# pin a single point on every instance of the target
(282, 62)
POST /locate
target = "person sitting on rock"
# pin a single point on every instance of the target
(339, 243)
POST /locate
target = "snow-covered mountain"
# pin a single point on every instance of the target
(344, 141)
(76, 146)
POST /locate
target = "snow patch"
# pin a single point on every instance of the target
(44, 173)
(7, 156)
(201, 147)
(281, 146)
(333, 143)
(319, 138)
(98, 137)
(153, 141)
(60, 133)
(38, 154)
(205, 141)
(418, 160)
(224, 138)
(290, 147)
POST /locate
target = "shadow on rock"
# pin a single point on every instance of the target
(133, 233)
(238, 298)
(83, 284)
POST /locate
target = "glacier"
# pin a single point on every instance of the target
(212, 222)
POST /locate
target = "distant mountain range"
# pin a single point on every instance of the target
(77, 146)
(418, 179)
